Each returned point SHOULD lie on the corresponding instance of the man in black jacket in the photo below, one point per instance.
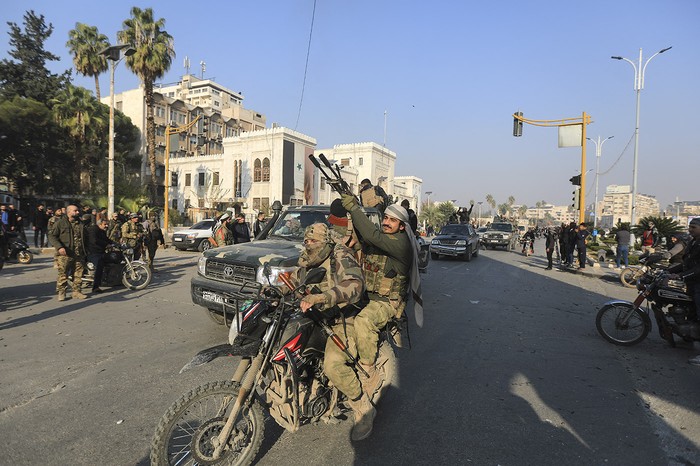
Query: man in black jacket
(40, 224)
(241, 233)
(97, 241)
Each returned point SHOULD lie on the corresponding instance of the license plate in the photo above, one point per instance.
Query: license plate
(177, 239)
(209, 296)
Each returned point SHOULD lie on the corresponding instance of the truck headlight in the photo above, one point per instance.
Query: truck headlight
(275, 273)
(460, 242)
(202, 265)
(435, 241)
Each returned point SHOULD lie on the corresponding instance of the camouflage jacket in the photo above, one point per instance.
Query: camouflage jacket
(132, 233)
(343, 283)
(223, 236)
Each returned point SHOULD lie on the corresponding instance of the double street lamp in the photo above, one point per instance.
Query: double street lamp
(598, 149)
(115, 54)
(638, 86)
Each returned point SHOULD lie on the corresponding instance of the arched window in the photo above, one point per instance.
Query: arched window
(256, 170)
(266, 169)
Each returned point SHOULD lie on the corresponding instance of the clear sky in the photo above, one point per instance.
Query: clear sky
(449, 74)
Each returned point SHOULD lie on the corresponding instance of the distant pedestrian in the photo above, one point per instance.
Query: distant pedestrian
(97, 241)
(40, 225)
(622, 236)
(152, 236)
(259, 224)
(550, 244)
(582, 235)
(650, 238)
(241, 232)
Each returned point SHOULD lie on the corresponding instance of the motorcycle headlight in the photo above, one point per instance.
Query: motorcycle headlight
(460, 242)
(128, 251)
(275, 273)
(202, 265)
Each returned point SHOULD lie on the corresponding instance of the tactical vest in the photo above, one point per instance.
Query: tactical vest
(386, 283)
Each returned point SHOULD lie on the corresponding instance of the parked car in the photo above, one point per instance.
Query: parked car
(195, 237)
(225, 269)
(457, 240)
(501, 234)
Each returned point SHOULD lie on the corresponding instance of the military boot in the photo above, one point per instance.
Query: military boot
(78, 294)
(364, 418)
(61, 295)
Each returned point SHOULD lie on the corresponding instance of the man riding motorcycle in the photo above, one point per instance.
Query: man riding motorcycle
(391, 271)
(338, 297)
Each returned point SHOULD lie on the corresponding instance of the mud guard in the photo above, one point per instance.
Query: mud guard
(208, 355)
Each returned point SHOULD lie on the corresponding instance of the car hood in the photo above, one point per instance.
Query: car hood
(275, 251)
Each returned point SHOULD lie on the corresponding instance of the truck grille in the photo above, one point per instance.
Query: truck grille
(448, 242)
(229, 272)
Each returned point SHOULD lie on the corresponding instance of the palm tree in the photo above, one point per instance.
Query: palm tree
(85, 44)
(154, 55)
(82, 116)
(491, 201)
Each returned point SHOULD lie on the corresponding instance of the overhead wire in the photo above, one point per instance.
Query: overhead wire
(306, 66)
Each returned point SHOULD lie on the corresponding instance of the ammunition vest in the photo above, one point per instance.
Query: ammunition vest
(385, 283)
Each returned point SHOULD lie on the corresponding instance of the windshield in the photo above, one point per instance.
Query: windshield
(292, 224)
(203, 225)
(455, 230)
(501, 227)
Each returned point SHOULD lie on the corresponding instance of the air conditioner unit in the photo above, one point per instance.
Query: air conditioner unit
(182, 148)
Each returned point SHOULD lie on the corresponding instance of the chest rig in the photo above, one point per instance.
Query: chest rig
(385, 282)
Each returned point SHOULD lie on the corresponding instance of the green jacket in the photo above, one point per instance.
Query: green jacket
(61, 236)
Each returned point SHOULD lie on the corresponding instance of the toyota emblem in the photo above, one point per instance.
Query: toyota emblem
(228, 271)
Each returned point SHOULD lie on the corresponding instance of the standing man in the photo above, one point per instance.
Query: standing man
(241, 233)
(259, 224)
(152, 235)
(114, 230)
(68, 237)
(223, 236)
(581, 241)
(391, 273)
(132, 234)
(650, 238)
(40, 224)
(412, 217)
(622, 236)
(97, 241)
(550, 244)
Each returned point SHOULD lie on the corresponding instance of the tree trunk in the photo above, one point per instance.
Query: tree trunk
(151, 141)
(97, 87)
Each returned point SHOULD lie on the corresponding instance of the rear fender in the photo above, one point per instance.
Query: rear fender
(617, 302)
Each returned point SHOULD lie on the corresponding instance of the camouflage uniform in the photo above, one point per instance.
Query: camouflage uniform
(223, 236)
(335, 296)
(387, 261)
(132, 236)
(69, 235)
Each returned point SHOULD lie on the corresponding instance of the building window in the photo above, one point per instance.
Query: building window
(215, 180)
(188, 179)
(359, 161)
(174, 204)
(265, 205)
(257, 171)
(266, 169)
(256, 204)
(188, 204)
(200, 203)
(345, 162)
(323, 183)
(201, 178)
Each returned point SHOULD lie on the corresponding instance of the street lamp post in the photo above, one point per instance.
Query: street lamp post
(638, 86)
(478, 222)
(115, 54)
(598, 149)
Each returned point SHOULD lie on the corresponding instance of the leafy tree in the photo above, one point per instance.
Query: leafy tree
(31, 148)
(666, 226)
(27, 75)
(84, 119)
(85, 44)
(491, 201)
(430, 215)
(445, 211)
(154, 55)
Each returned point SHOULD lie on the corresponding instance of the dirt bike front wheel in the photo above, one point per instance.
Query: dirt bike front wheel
(616, 325)
(185, 432)
(629, 276)
(25, 257)
(136, 277)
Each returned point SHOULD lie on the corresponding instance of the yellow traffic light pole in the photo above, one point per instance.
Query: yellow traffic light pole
(169, 131)
(583, 120)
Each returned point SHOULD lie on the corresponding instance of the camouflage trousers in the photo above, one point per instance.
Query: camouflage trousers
(368, 322)
(336, 363)
(66, 265)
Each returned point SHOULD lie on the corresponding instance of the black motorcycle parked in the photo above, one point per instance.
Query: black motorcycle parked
(119, 268)
(626, 324)
(18, 249)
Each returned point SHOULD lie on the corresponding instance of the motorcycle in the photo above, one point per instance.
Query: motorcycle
(120, 268)
(627, 323)
(528, 247)
(280, 371)
(647, 262)
(18, 249)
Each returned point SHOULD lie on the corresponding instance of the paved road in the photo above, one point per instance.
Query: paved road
(508, 370)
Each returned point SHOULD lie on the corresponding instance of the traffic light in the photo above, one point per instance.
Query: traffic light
(576, 180)
(576, 199)
(517, 124)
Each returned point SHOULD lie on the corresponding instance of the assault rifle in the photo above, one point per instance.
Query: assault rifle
(335, 179)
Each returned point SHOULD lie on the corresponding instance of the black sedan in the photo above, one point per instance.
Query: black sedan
(459, 240)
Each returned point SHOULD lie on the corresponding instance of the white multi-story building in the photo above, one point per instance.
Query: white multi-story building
(617, 205)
